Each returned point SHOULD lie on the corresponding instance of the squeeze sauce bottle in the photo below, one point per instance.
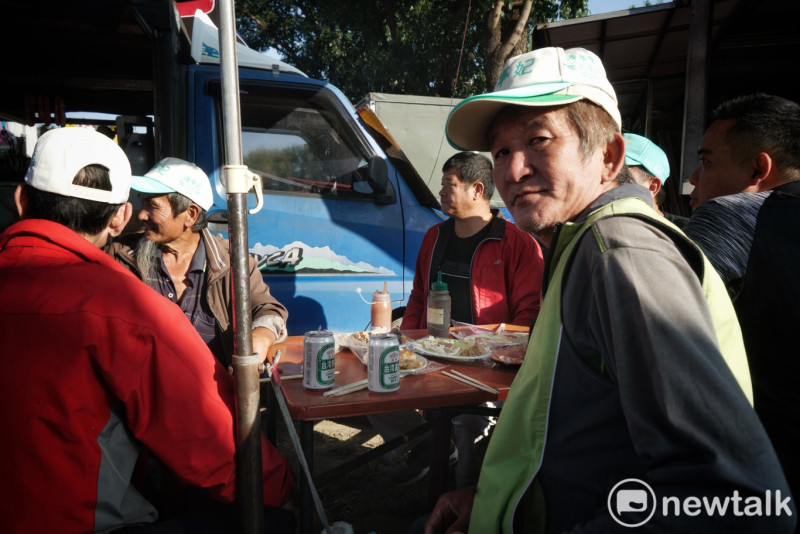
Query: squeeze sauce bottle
(439, 309)
(381, 309)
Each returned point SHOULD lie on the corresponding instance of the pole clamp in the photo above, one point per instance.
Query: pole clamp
(239, 179)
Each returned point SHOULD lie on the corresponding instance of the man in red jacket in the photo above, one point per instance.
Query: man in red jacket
(478, 252)
(493, 272)
(97, 366)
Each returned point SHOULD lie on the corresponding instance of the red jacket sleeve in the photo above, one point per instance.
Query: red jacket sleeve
(525, 271)
(179, 402)
(415, 315)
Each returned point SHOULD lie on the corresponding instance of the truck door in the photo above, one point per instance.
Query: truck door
(324, 230)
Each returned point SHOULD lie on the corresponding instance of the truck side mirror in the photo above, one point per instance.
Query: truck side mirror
(379, 181)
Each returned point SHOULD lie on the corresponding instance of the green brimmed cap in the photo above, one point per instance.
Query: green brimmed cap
(544, 77)
(641, 151)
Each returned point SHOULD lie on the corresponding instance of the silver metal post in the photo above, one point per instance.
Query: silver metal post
(249, 493)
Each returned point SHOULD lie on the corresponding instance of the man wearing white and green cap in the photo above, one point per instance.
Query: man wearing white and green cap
(178, 257)
(635, 387)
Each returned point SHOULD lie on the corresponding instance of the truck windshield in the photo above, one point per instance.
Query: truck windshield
(300, 147)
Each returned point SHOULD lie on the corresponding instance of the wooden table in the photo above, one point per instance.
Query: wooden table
(430, 391)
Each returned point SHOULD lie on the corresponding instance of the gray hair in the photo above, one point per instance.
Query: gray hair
(181, 203)
(148, 258)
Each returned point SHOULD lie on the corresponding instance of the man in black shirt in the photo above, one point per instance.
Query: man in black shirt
(752, 238)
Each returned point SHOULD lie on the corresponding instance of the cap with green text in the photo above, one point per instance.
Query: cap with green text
(544, 77)
(173, 175)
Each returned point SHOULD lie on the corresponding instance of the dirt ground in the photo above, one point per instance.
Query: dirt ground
(363, 497)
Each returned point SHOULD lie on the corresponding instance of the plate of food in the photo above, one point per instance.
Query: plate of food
(450, 349)
(506, 347)
(510, 354)
(358, 342)
(500, 339)
(411, 362)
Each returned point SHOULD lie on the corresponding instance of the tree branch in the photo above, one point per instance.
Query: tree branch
(260, 23)
(522, 23)
(388, 8)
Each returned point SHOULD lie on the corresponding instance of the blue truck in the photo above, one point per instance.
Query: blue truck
(343, 209)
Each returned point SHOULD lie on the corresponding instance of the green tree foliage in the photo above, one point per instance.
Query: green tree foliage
(399, 46)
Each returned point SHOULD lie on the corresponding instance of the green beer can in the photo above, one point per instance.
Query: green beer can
(383, 363)
(318, 359)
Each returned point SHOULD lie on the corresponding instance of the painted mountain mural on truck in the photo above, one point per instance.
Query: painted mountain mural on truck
(298, 257)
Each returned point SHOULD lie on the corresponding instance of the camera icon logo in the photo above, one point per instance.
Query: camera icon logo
(631, 502)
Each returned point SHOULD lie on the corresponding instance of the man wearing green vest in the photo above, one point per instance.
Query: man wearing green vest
(634, 404)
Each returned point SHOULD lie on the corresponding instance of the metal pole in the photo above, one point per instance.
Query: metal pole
(249, 494)
(694, 110)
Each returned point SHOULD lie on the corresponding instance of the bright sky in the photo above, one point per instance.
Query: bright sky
(604, 6)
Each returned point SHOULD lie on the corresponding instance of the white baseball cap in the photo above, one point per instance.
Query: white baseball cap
(173, 175)
(60, 153)
(544, 77)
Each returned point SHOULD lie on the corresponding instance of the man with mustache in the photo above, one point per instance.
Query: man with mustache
(636, 367)
(178, 257)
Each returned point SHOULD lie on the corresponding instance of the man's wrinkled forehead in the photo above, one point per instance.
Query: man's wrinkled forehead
(525, 117)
